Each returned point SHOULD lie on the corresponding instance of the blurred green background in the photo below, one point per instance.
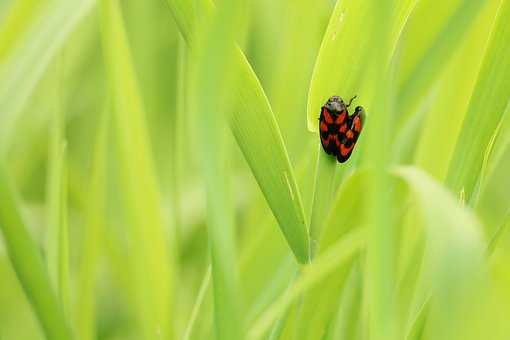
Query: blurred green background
(161, 175)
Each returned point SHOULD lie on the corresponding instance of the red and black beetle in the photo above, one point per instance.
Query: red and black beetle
(339, 131)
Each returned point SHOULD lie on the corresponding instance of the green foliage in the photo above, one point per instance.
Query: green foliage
(161, 176)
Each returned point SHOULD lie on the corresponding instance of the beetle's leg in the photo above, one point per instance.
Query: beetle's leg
(350, 101)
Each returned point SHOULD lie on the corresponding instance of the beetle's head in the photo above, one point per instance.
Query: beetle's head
(335, 104)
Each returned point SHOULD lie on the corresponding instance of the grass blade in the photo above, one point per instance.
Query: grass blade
(257, 133)
(491, 94)
(57, 247)
(29, 267)
(311, 274)
(433, 61)
(150, 258)
(22, 67)
(345, 53)
(324, 176)
(212, 81)
(454, 240)
(198, 304)
(346, 322)
(438, 132)
(85, 317)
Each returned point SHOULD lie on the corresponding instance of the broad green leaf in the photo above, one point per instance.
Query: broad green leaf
(257, 133)
(487, 105)
(28, 264)
(150, 262)
(25, 61)
(345, 54)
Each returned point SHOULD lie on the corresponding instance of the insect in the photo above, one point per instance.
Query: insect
(339, 131)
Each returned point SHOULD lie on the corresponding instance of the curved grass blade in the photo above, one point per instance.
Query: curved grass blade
(256, 131)
(28, 264)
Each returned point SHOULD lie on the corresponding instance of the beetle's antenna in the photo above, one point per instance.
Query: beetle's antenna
(350, 101)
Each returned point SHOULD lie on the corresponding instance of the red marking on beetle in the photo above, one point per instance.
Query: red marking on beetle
(344, 151)
(357, 124)
(327, 116)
